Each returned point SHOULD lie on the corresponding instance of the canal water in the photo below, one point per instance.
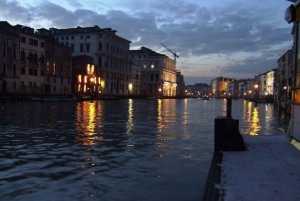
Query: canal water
(116, 150)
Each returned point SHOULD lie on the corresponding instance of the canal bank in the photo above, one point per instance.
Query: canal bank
(266, 170)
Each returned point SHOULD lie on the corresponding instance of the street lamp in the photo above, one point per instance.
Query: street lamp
(159, 91)
(130, 88)
(286, 91)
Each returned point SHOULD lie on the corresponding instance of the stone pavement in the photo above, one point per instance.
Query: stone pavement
(269, 170)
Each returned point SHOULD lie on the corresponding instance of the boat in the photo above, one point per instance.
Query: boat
(205, 98)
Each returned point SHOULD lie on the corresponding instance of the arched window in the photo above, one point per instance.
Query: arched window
(14, 51)
(4, 69)
(14, 70)
(30, 56)
(22, 55)
(35, 57)
(3, 49)
(42, 59)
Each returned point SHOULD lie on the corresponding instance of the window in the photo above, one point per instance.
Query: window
(14, 51)
(152, 65)
(67, 44)
(42, 44)
(54, 80)
(81, 37)
(42, 73)
(54, 69)
(4, 69)
(62, 38)
(22, 71)
(42, 59)
(100, 46)
(88, 47)
(23, 39)
(81, 47)
(48, 68)
(3, 49)
(72, 37)
(88, 36)
(30, 71)
(72, 47)
(144, 65)
(14, 70)
(62, 68)
(67, 38)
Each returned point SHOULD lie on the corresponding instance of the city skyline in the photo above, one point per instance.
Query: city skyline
(212, 39)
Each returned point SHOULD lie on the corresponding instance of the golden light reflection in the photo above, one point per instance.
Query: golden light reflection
(130, 122)
(186, 135)
(86, 124)
(159, 116)
(252, 117)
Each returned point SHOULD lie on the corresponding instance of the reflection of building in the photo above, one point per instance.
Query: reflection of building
(85, 80)
(110, 53)
(219, 86)
(9, 59)
(159, 69)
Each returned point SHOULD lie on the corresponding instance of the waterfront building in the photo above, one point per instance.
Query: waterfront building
(180, 89)
(271, 78)
(135, 84)
(260, 85)
(159, 69)
(242, 88)
(219, 86)
(284, 77)
(249, 88)
(56, 65)
(32, 58)
(110, 53)
(291, 15)
(85, 81)
(9, 59)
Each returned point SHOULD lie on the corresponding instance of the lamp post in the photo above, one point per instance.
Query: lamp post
(285, 105)
(159, 90)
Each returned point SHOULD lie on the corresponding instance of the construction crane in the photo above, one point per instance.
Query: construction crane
(175, 55)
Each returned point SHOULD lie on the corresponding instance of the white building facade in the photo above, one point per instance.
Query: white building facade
(110, 53)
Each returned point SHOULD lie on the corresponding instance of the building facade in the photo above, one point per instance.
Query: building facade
(219, 86)
(9, 59)
(159, 69)
(110, 53)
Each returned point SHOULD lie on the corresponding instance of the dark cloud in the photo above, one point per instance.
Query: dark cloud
(190, 29)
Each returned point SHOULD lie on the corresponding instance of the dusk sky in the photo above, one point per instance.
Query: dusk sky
(230, 38)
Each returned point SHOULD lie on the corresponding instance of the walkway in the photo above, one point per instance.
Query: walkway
(270, 170)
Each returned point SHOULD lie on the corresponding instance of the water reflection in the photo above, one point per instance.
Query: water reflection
(104, 149)
(87, 123)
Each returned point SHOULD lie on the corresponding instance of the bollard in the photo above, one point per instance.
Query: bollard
(227, 134)
(229, 108)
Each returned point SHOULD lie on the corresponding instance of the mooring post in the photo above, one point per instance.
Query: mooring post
(229, 108)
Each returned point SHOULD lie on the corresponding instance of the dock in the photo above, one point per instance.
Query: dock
(268, 170)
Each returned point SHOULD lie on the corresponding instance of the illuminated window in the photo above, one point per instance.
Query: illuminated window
(79, 78)
(79, 87)
(152, 65)
(54, 69)
(84, 88)
(85, 79)
(144, 65)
